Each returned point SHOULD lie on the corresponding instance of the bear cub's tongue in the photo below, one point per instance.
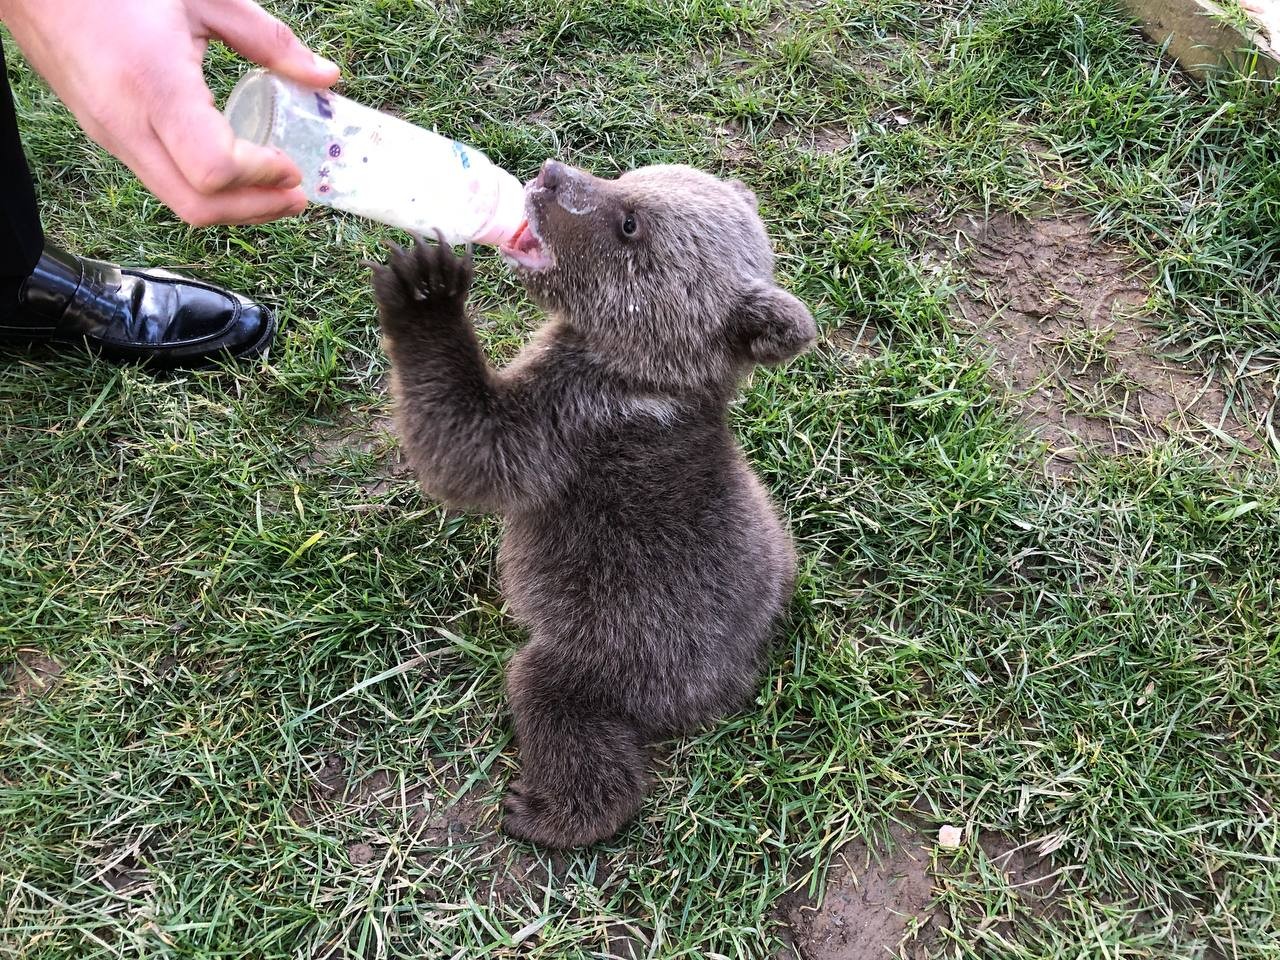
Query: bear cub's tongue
(525, 248)
(523, 240)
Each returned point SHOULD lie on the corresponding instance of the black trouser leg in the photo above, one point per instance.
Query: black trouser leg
(21, 238)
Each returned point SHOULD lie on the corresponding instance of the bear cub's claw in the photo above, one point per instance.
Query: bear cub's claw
(426, 281)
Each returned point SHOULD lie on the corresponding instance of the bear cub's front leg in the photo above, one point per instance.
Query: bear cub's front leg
(453, 415)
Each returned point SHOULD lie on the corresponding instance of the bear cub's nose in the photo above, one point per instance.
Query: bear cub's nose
(553, 174)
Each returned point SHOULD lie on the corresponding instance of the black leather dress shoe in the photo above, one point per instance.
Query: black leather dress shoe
(147, 316)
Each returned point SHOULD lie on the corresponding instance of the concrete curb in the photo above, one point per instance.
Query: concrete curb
(1202, 41)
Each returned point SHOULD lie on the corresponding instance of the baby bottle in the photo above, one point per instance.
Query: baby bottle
(366, 162)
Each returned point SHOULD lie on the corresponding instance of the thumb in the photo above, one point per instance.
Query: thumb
(255, 34)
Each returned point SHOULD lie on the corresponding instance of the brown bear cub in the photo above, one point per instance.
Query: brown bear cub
(640, 551)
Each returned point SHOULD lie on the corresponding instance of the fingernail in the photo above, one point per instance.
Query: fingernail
(323, 64)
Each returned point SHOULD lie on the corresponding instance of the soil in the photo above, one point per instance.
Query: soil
(880, 902)
(874, 901)
(31, 674)
(829, 138)
(623, 942)
(818, 138)
(824, 138)
(350, 439)
(1029, 869)
(857, 342)
(127, 877)
(1064, 317)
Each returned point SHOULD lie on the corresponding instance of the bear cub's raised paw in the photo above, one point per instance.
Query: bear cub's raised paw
(425, 281)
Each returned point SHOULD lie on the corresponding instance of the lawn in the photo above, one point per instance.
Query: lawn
(254, 703)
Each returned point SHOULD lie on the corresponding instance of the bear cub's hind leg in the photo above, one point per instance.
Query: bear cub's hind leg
(582, 766)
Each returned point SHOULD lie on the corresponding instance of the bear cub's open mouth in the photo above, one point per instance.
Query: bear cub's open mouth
(525, 249)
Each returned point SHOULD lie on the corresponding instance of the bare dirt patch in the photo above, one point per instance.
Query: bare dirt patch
(829, 138)
(889, 901)
(624, 941)
(127, 875)
(1065, 316)
(875, 904)
(351, 436)
(31, 674)
(857, 342)
(1028, 865)
(430, 825)
(739, 148)
(817, 138)
(379, 800)
(1027, 873)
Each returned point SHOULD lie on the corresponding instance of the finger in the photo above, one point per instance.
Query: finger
(292, 204)
(203, 146)
(252, 32)
(151, 163)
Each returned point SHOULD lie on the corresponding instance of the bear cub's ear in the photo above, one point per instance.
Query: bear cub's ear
(771, 325)
(746, 193)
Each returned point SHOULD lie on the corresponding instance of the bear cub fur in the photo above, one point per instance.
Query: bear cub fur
(640, 551)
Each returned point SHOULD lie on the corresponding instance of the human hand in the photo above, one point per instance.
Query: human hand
(131, 71)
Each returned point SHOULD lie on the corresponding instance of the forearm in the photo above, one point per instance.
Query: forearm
(9, 9)
(439, 364)
(475, 439)
(26, 21)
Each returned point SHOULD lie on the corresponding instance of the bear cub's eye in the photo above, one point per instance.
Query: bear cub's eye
(629, 225)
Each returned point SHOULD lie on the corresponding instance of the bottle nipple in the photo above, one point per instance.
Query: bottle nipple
(508, 215)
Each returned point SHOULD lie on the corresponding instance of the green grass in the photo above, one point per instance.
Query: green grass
(1097, 658)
